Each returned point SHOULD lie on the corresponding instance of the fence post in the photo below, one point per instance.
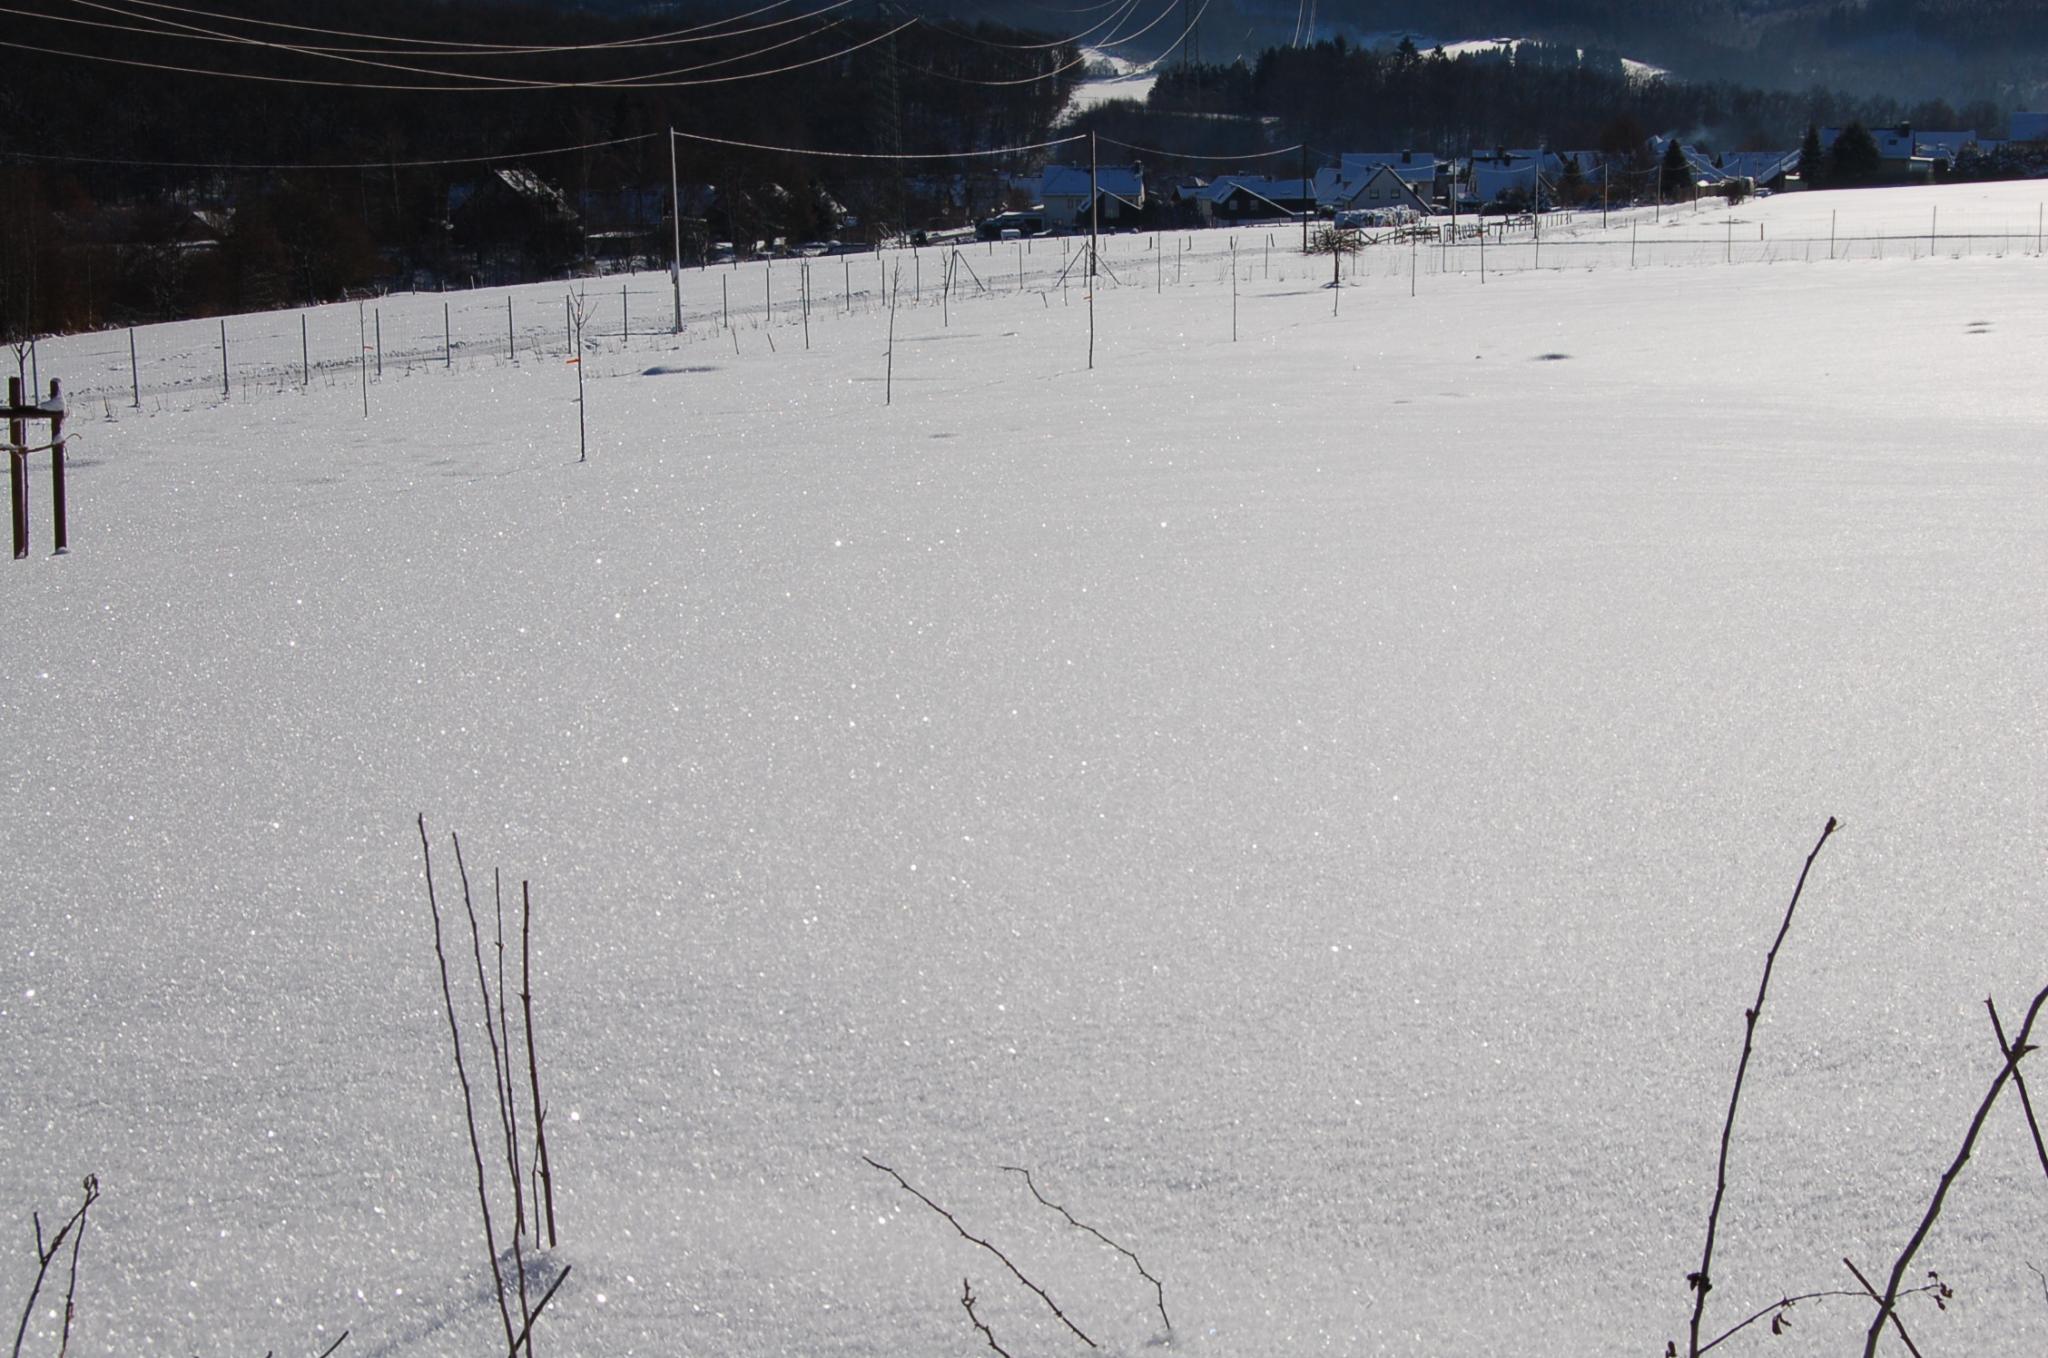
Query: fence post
(17, 487)
(379, 318)
(224, 356)
(305, 354)
(447, 339)
(57, 504)
(511, 351)
(134, 369)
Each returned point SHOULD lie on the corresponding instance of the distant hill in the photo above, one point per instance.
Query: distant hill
(1907, 49)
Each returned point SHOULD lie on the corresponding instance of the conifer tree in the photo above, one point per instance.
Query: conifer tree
(1676, 172)
(1812, 160)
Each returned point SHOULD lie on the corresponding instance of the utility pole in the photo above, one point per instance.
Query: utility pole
(1307, 199)
(675, 276)
(1094, 210)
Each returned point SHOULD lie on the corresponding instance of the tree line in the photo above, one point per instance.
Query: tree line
(115, 173)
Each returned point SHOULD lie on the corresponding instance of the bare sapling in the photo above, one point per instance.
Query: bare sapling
(46, 1254)
(497, 1027)
(1702, 1281)
(544, 1191)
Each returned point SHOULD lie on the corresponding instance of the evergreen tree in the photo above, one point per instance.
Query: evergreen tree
(1676, 173)
(1853, 158)
(1812, 160)
(1571, 183)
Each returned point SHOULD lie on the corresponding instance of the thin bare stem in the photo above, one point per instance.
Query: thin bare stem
(540, 1117)
(2019, 1082)
(92, 1193)
(1784, 1304)
(1702, 1281)
(1131, 1255)
(483, 987)
(1871, 1292)
(46, 1253)
(328, 1352)
(476, 1151)
(1015, 1272)
(525, 1335)
(509, 1103)
(2013, 1053)
(967, 1300)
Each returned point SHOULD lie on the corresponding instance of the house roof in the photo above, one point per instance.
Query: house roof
(1758, 165)
(1072, 181)
(1413, 166)
(1275, 191)
(1385, 176)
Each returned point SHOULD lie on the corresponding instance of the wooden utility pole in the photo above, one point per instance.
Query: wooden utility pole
(1307, 198)
(1094, 209)
(675, 191)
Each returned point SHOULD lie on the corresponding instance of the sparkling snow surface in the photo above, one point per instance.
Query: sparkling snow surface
(1320, 801)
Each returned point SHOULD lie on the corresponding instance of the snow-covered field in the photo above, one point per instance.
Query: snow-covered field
(1133, 80)
(1319, 800)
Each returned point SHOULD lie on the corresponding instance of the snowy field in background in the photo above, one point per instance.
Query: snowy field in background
(1319, 800)
(1133, 80)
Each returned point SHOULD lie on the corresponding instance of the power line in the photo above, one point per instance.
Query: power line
(1035, 46)
(328, 165)
(190, 33)
(462, 48)
(880, 155)
(624, 83)
(1184, 155)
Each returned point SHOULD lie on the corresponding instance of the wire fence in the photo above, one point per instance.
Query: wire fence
(366, 341)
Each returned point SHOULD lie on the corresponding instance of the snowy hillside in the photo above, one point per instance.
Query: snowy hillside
(1319, 799)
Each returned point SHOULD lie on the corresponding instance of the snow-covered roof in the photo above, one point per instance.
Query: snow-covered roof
(1385, 180)
(1072, 181)
(1413, 166)
(1274, 191)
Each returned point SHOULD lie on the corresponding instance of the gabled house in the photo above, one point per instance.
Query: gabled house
(1417, 168)
(514, 224)
(1247, 197)
(1492, 179)
(1384, 189)
(1067, 190)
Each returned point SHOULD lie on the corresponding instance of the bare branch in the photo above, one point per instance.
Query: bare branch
(462, 1077)
(1136, 1262)
(525, 1335)
(540, 1120)
(46, 1253)
(2019, 1083)
(328, 1352)
(1872, 1293)
(92, 1193)
(2018, 1048)
(977, 1240)
(1702, 1281)
(967, 1300)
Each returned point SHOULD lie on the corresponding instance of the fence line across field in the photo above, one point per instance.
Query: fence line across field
(285, 350)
